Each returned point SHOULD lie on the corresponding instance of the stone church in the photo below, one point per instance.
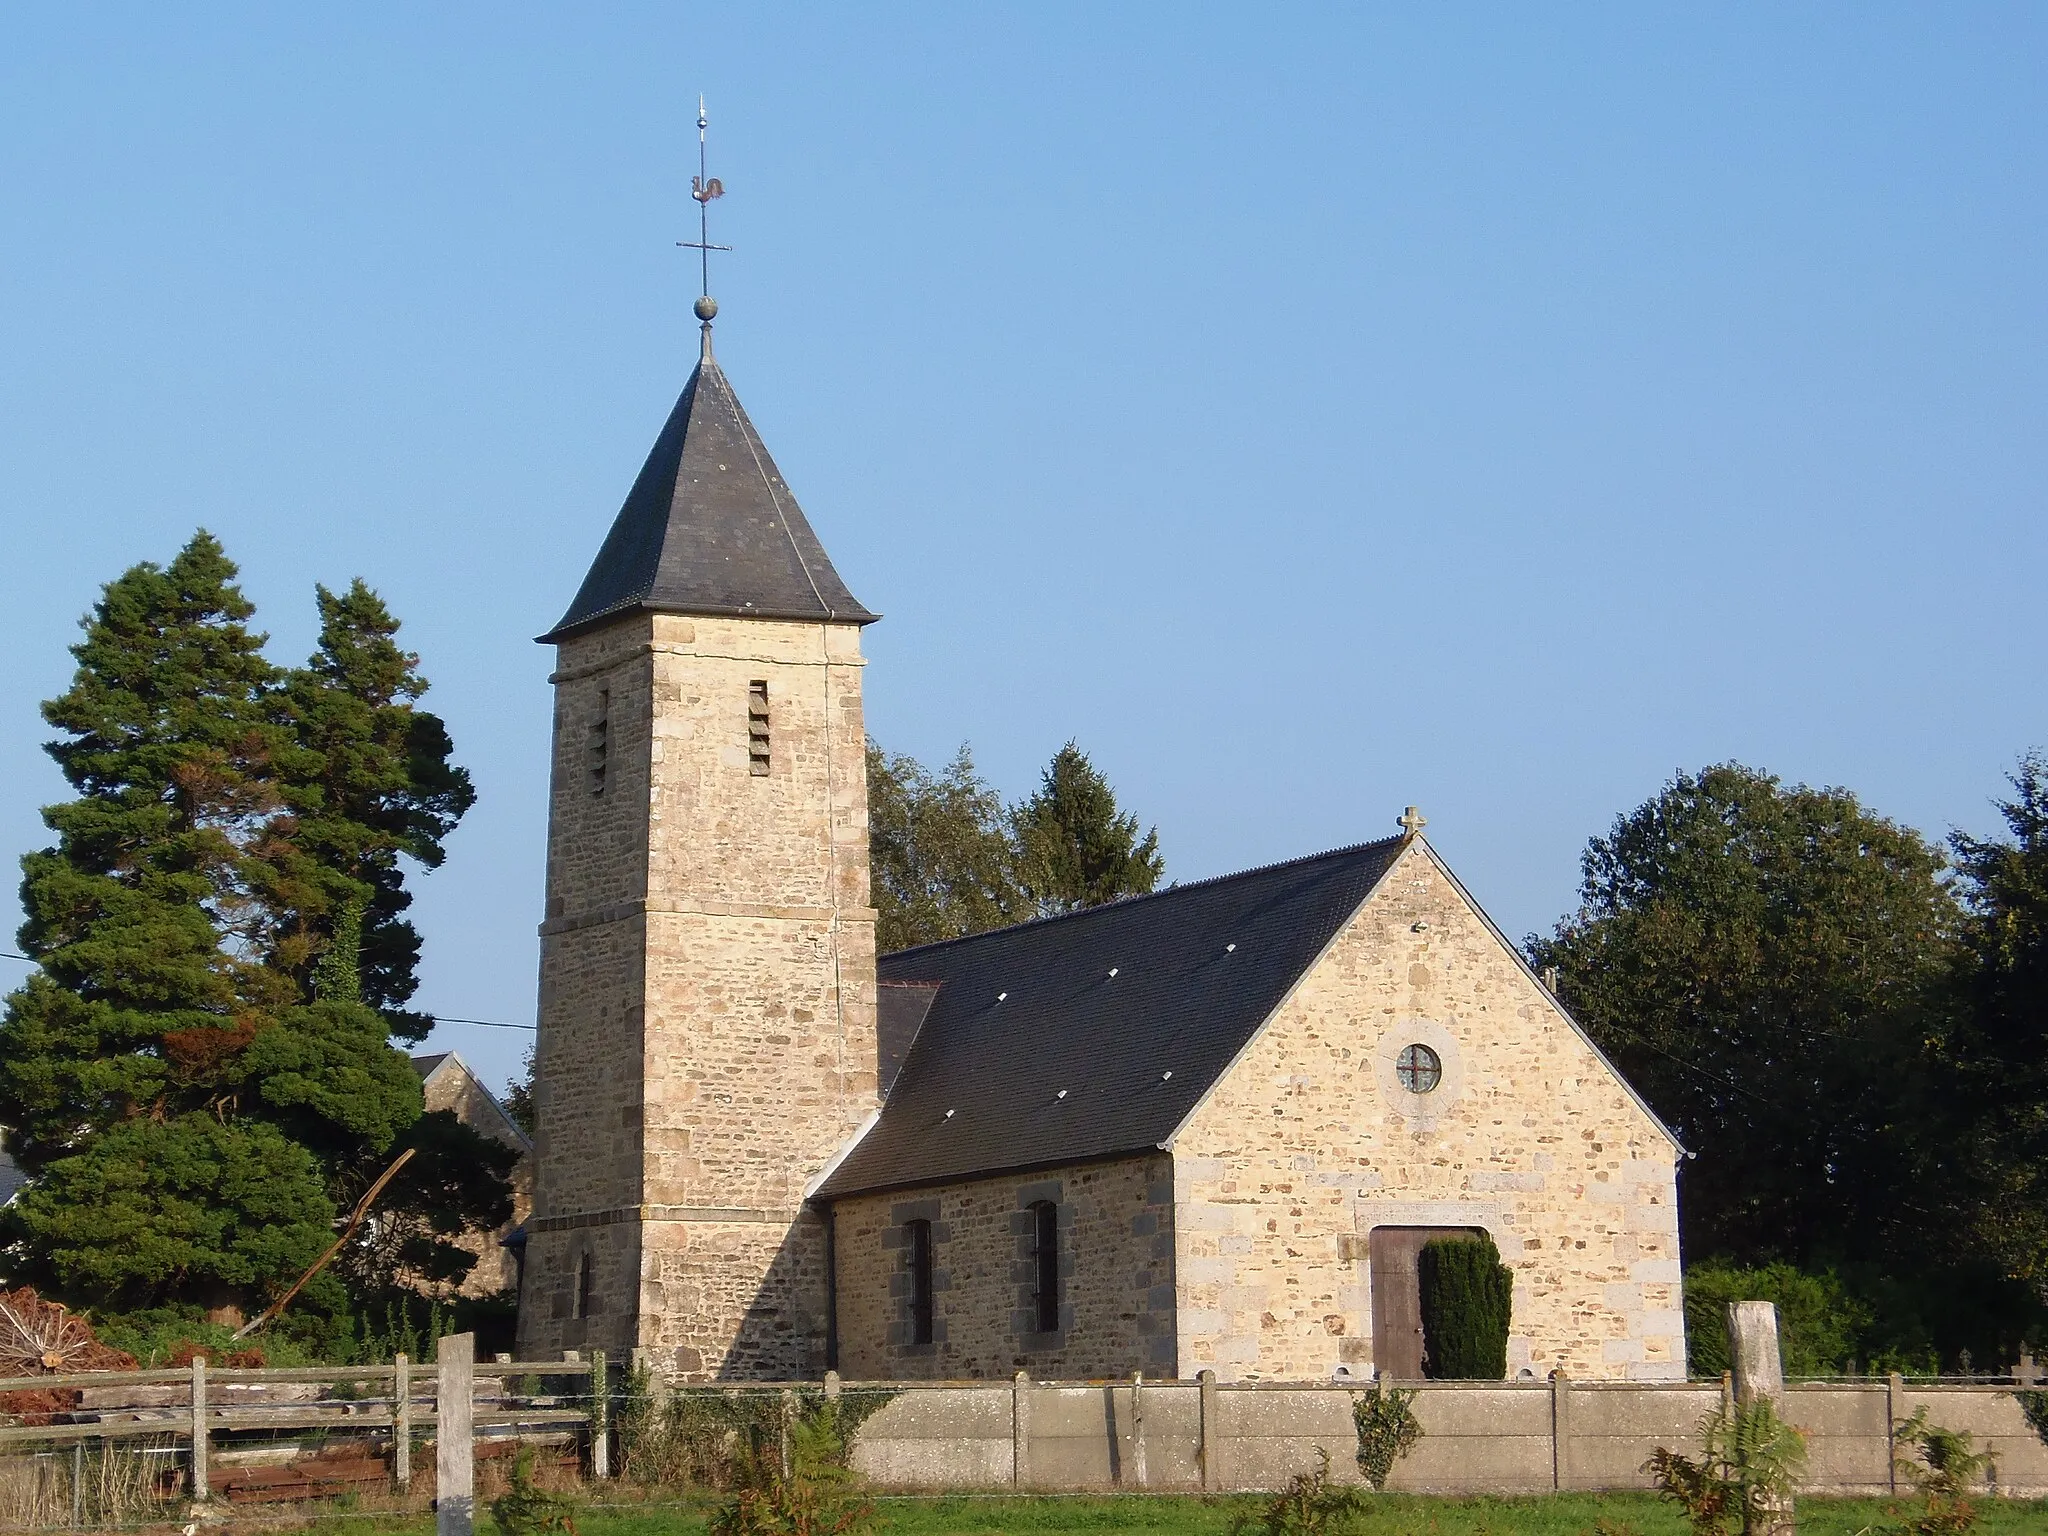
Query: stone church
(1203, 1129)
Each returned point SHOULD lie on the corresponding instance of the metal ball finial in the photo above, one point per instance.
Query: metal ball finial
(707, 308)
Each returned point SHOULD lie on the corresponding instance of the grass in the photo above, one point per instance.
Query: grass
(1389, 1515)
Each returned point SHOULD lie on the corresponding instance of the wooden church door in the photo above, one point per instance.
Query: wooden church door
(1393, 1254)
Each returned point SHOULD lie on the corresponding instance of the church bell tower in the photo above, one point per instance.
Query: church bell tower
(707, 980)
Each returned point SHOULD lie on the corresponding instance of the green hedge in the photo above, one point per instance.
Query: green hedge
(1467, 1302)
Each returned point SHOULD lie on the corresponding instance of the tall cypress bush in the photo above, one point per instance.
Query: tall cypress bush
(1467, 1302)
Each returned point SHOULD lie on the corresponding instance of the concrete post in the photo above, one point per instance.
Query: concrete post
(401, 1422)
(454, 1435)
(1560, 1429)
(1759, 1374)
(1138, 1428)
(1212, 1477)
(1894, 1416)
(1020, 1430)
(1753, 1350)
(600, 1417)
(831, 1386)
(199, 1476)
(788, 1418)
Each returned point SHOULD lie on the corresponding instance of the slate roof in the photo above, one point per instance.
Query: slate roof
(1023, 1013)
(710, 528)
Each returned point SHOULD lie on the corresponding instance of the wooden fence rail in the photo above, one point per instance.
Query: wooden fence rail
(461, 1401)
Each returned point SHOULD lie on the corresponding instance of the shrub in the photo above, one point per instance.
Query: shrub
(526, 1510)
(1387, 1429)
(1310, 1505)
(817, 1495)
(1749, 1461)
(1944, 1466)
(1820, 1323)
(1467, 1304)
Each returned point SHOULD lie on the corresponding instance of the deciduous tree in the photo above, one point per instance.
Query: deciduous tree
(941, 861)
(1760, 961)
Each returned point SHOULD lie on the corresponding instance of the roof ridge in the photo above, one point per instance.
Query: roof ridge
(1172, 890)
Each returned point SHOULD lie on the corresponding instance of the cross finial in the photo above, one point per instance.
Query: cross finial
(1413, 822)
(704, 187)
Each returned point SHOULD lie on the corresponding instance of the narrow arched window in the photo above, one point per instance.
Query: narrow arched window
(920, 1258)
(583, 1284)
(1045, 1260)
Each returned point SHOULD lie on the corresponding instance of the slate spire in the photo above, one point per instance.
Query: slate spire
(710, 527)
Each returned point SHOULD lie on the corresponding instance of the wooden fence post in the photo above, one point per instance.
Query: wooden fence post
(401, 1422)
(1560, 1429)
(199, 1480)
(454, 1431)
(1020, 1430)
(1759, 1373)
(600, 1417)
(1212, 1478)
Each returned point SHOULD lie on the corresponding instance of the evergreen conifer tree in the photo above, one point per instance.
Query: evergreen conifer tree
(1467, 1308)
(199, 1072)
(1075, 847)
(119, 1058)
(1995, 1057)
(368, 780)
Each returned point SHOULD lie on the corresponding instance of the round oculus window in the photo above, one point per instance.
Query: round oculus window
(1419, 1068)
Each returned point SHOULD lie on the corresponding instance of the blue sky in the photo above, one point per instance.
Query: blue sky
(1310, 410)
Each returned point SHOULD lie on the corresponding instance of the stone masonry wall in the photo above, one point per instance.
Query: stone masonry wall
(734, 922)
(452, 1086)
(1310, 1141)
(587, 1053)
(1116, 1276)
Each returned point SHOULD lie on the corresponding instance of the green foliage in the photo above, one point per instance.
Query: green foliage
(1384, 1416)
(940, 853)
(1075, 847)
(716, 1438)
(198, 1072)
(1310, 1505)
(525, 1509)
(1759, 960)
(2035, 1406)
(1945, 1466)
(1467, 1306)
(1996, 1054)
(369, 779)
(1853, 1052)
(140, 990)
(190, 1206)
(1750, 1460)
(1825, 1328)
(948, 858)
(799, 1486)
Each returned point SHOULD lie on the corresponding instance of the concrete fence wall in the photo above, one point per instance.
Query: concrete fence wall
(1507, 1437)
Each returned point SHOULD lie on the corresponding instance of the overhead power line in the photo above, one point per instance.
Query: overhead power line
(438, 1018)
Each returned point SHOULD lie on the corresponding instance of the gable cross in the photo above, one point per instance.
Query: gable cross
(1413, 822)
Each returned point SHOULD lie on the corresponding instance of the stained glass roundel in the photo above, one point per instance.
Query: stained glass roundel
(1419, 1068)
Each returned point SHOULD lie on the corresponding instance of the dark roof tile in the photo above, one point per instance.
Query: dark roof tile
(710, 528)
(1025, 1014)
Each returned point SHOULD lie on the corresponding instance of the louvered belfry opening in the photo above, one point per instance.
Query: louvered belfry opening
(757, 728)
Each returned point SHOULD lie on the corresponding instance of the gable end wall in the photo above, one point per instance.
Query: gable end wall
(1310, 1141)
